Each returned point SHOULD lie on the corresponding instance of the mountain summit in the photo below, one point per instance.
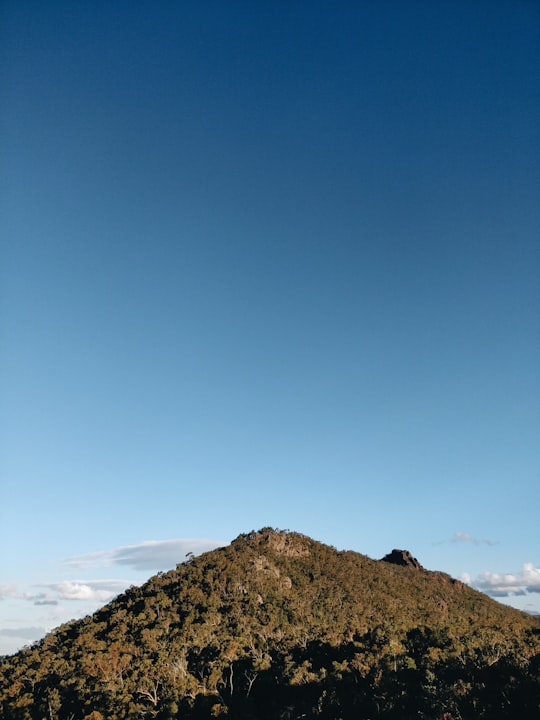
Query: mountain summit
(278, 626)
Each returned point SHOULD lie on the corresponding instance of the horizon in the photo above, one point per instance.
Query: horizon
(266, 265)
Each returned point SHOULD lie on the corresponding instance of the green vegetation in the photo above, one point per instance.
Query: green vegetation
(278, 626)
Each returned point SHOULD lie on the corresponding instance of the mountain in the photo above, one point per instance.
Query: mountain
(279, 626)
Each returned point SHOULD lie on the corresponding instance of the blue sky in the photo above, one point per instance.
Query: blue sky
(266, 263)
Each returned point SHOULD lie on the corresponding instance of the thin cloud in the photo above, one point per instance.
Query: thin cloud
(148, 555)
(506, 584)
(460, 536)
(40, 599)
(26, 633)
(7, 591)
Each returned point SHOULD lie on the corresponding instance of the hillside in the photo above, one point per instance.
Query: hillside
(277, 625)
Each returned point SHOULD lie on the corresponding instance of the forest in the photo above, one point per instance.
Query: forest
(279, 626)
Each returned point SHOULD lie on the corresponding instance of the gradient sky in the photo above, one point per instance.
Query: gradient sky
(266, 263)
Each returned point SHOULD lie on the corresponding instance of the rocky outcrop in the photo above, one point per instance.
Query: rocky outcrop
(403, 558)
(280, 542)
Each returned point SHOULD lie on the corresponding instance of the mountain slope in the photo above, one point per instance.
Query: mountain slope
(277, 625)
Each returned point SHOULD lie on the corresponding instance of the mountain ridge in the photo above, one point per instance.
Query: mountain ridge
(274, 624)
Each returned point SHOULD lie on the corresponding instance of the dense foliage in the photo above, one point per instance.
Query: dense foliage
(275, 626)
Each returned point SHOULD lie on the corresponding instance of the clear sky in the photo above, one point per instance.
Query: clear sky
(266, 263)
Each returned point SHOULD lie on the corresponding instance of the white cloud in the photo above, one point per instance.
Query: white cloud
(531, 575)
(506, 584)
(149, 555)
(69, 590)
(94, 590)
